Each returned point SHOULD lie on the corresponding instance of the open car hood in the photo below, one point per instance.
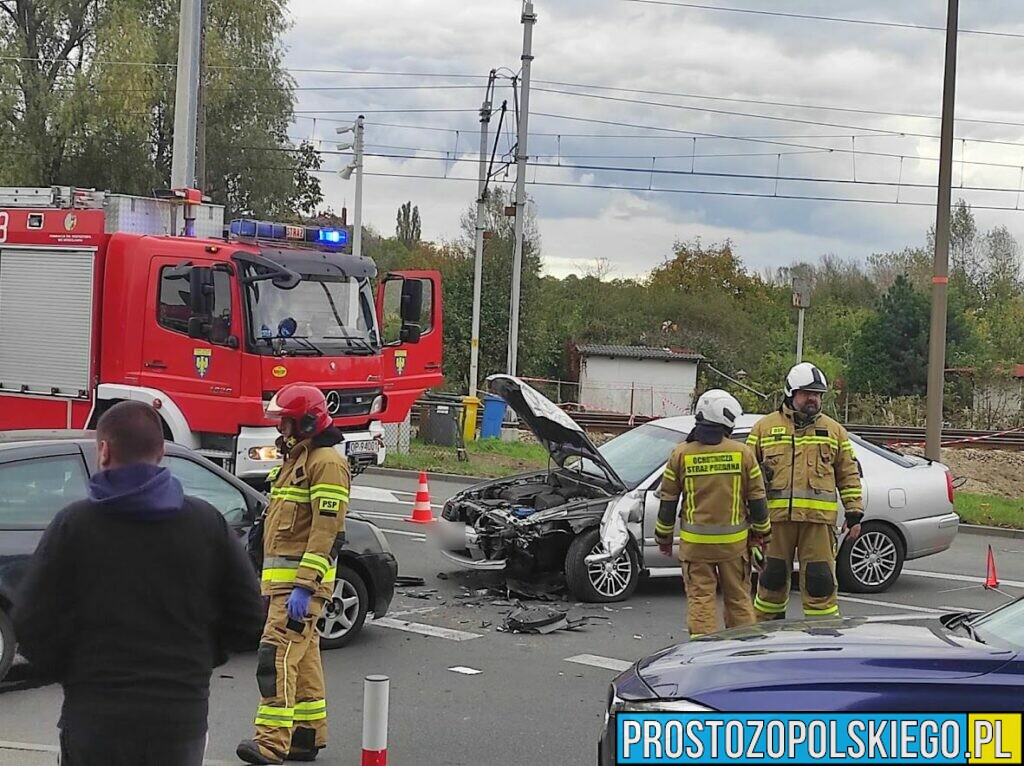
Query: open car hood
(560, 434)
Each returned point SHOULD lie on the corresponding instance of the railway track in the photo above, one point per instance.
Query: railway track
(609, 422)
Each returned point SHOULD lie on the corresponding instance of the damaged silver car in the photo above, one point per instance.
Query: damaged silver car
(591, 514)
(582, 516)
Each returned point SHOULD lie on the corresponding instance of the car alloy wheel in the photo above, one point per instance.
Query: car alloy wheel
(344, 614)
(872, 562)
(610, 578)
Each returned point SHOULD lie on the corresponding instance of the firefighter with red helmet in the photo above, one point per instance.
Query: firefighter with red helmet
(304, 529)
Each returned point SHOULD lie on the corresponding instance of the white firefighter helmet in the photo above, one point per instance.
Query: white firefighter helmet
(805, 377)
(718, 406)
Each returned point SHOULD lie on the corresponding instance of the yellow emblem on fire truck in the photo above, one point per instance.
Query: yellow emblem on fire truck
(400, 359)
(202, 358)
(280, 371)
(70, 222)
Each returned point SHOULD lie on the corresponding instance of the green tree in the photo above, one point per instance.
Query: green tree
(71, 115)
(408, 228)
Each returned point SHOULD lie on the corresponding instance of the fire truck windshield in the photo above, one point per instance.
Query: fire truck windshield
(324, 315)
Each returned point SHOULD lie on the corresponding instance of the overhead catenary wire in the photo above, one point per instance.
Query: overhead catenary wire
(815, 17)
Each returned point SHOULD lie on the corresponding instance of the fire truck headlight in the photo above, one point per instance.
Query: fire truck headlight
(377, 406)
(264, 453)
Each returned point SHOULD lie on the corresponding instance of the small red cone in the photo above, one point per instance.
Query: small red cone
(991, 578)
(421, 510)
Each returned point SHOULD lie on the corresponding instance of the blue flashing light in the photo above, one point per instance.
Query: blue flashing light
(328, 237)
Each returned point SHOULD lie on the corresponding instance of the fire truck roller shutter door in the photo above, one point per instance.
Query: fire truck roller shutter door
(169, 411)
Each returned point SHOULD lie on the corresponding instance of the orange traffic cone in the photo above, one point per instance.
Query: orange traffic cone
(991, 578)
(421, 511)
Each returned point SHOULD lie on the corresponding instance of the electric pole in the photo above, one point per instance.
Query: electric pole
(183, 161)
(481, 225)
(529, 18)
(357, 227)
(940, 278)
(201, 104)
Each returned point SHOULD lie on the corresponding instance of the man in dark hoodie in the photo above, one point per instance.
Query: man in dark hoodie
(132, 598)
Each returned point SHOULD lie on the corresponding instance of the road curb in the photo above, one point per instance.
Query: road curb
(981, 529)
(401, 473)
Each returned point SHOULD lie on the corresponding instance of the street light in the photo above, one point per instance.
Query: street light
(346, 173)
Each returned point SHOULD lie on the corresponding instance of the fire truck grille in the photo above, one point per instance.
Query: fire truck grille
(351, 402)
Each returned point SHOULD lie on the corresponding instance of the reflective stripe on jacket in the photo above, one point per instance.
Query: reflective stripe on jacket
(308, 503)
(813, 468)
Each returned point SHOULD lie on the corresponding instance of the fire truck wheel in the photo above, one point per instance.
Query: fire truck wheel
(7, 644)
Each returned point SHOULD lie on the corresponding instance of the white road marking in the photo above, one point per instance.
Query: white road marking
(960, 578)
(891, 605)
(419, 610)
(426, 630)
(465, 671)
(402, 533)
(597, 661)
(373, 494)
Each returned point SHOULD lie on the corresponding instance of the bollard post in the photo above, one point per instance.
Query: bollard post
(375, 720)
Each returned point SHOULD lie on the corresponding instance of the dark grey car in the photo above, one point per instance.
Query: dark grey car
(43, 471)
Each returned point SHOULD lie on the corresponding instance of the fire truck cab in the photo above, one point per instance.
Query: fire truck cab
(103, 300)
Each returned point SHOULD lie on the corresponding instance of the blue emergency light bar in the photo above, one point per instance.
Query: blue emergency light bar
(317, 235)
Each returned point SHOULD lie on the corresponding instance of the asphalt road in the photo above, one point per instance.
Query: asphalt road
(519, 698)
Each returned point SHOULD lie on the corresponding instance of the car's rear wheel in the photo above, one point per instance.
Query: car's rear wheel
(345, 613)
(872, 562)
(600, 583)
(8, 646)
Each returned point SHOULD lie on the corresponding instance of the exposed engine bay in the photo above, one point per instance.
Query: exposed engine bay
(529, 521)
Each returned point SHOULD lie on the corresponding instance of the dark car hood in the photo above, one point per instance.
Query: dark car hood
(560, 434)
(808, 655)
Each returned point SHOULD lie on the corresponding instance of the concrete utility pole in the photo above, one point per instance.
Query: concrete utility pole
(201, 104)
(529, 18)
(940, 279)
(357, 226)
(186, 97)
(481, 225)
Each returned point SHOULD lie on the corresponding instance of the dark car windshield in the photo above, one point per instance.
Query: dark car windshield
(636, 454)
(1002, 627)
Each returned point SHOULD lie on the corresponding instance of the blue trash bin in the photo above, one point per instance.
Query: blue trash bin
(494, 416)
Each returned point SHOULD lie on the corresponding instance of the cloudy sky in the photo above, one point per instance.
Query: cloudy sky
(716, 102)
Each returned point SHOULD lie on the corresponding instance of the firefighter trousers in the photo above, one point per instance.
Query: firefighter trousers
(293, 708)
(814, 545)
(701, 580)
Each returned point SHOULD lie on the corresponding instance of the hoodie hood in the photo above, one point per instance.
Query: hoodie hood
(140, 491)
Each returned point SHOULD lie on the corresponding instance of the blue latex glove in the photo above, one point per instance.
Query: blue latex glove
(298, 603)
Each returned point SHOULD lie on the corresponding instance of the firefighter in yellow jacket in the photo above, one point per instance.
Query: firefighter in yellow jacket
(723, 515)
(304, 530)
(809, 466)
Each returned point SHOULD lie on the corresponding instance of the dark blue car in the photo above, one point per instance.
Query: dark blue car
(958, 663)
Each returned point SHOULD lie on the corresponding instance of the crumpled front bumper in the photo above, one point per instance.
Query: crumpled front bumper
(457, 542)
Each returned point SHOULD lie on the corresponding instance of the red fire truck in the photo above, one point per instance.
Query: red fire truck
(102, 300)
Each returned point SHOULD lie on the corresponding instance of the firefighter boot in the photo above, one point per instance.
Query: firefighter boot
(734, 575)
(818, 588)
(250, 751)
(773, 584)
(701, 583)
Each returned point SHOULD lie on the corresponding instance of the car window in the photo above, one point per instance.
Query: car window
(33, 491)
(203, 483)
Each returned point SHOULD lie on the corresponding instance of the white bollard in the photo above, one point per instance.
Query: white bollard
(376, 691)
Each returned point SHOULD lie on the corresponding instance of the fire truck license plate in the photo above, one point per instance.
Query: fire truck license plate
(355, 448)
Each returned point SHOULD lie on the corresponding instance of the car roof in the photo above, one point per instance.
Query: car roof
(42, 436)
(684, 423)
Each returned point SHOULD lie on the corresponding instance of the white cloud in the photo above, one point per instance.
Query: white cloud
(620, 44)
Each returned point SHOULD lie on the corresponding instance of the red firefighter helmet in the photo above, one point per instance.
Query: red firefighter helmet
(303, 403)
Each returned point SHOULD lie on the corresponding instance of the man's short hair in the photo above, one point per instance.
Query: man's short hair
(134, 432)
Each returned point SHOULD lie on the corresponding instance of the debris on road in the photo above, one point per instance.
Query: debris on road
(442, 576)
(403, 581)
(541, 590)
(424, 595)
(539, 619)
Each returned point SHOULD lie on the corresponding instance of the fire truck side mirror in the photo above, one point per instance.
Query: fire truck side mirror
(412, 301)
(201, 290)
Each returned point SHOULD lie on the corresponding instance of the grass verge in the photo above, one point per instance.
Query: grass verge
(990, 510)
(487, 458)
